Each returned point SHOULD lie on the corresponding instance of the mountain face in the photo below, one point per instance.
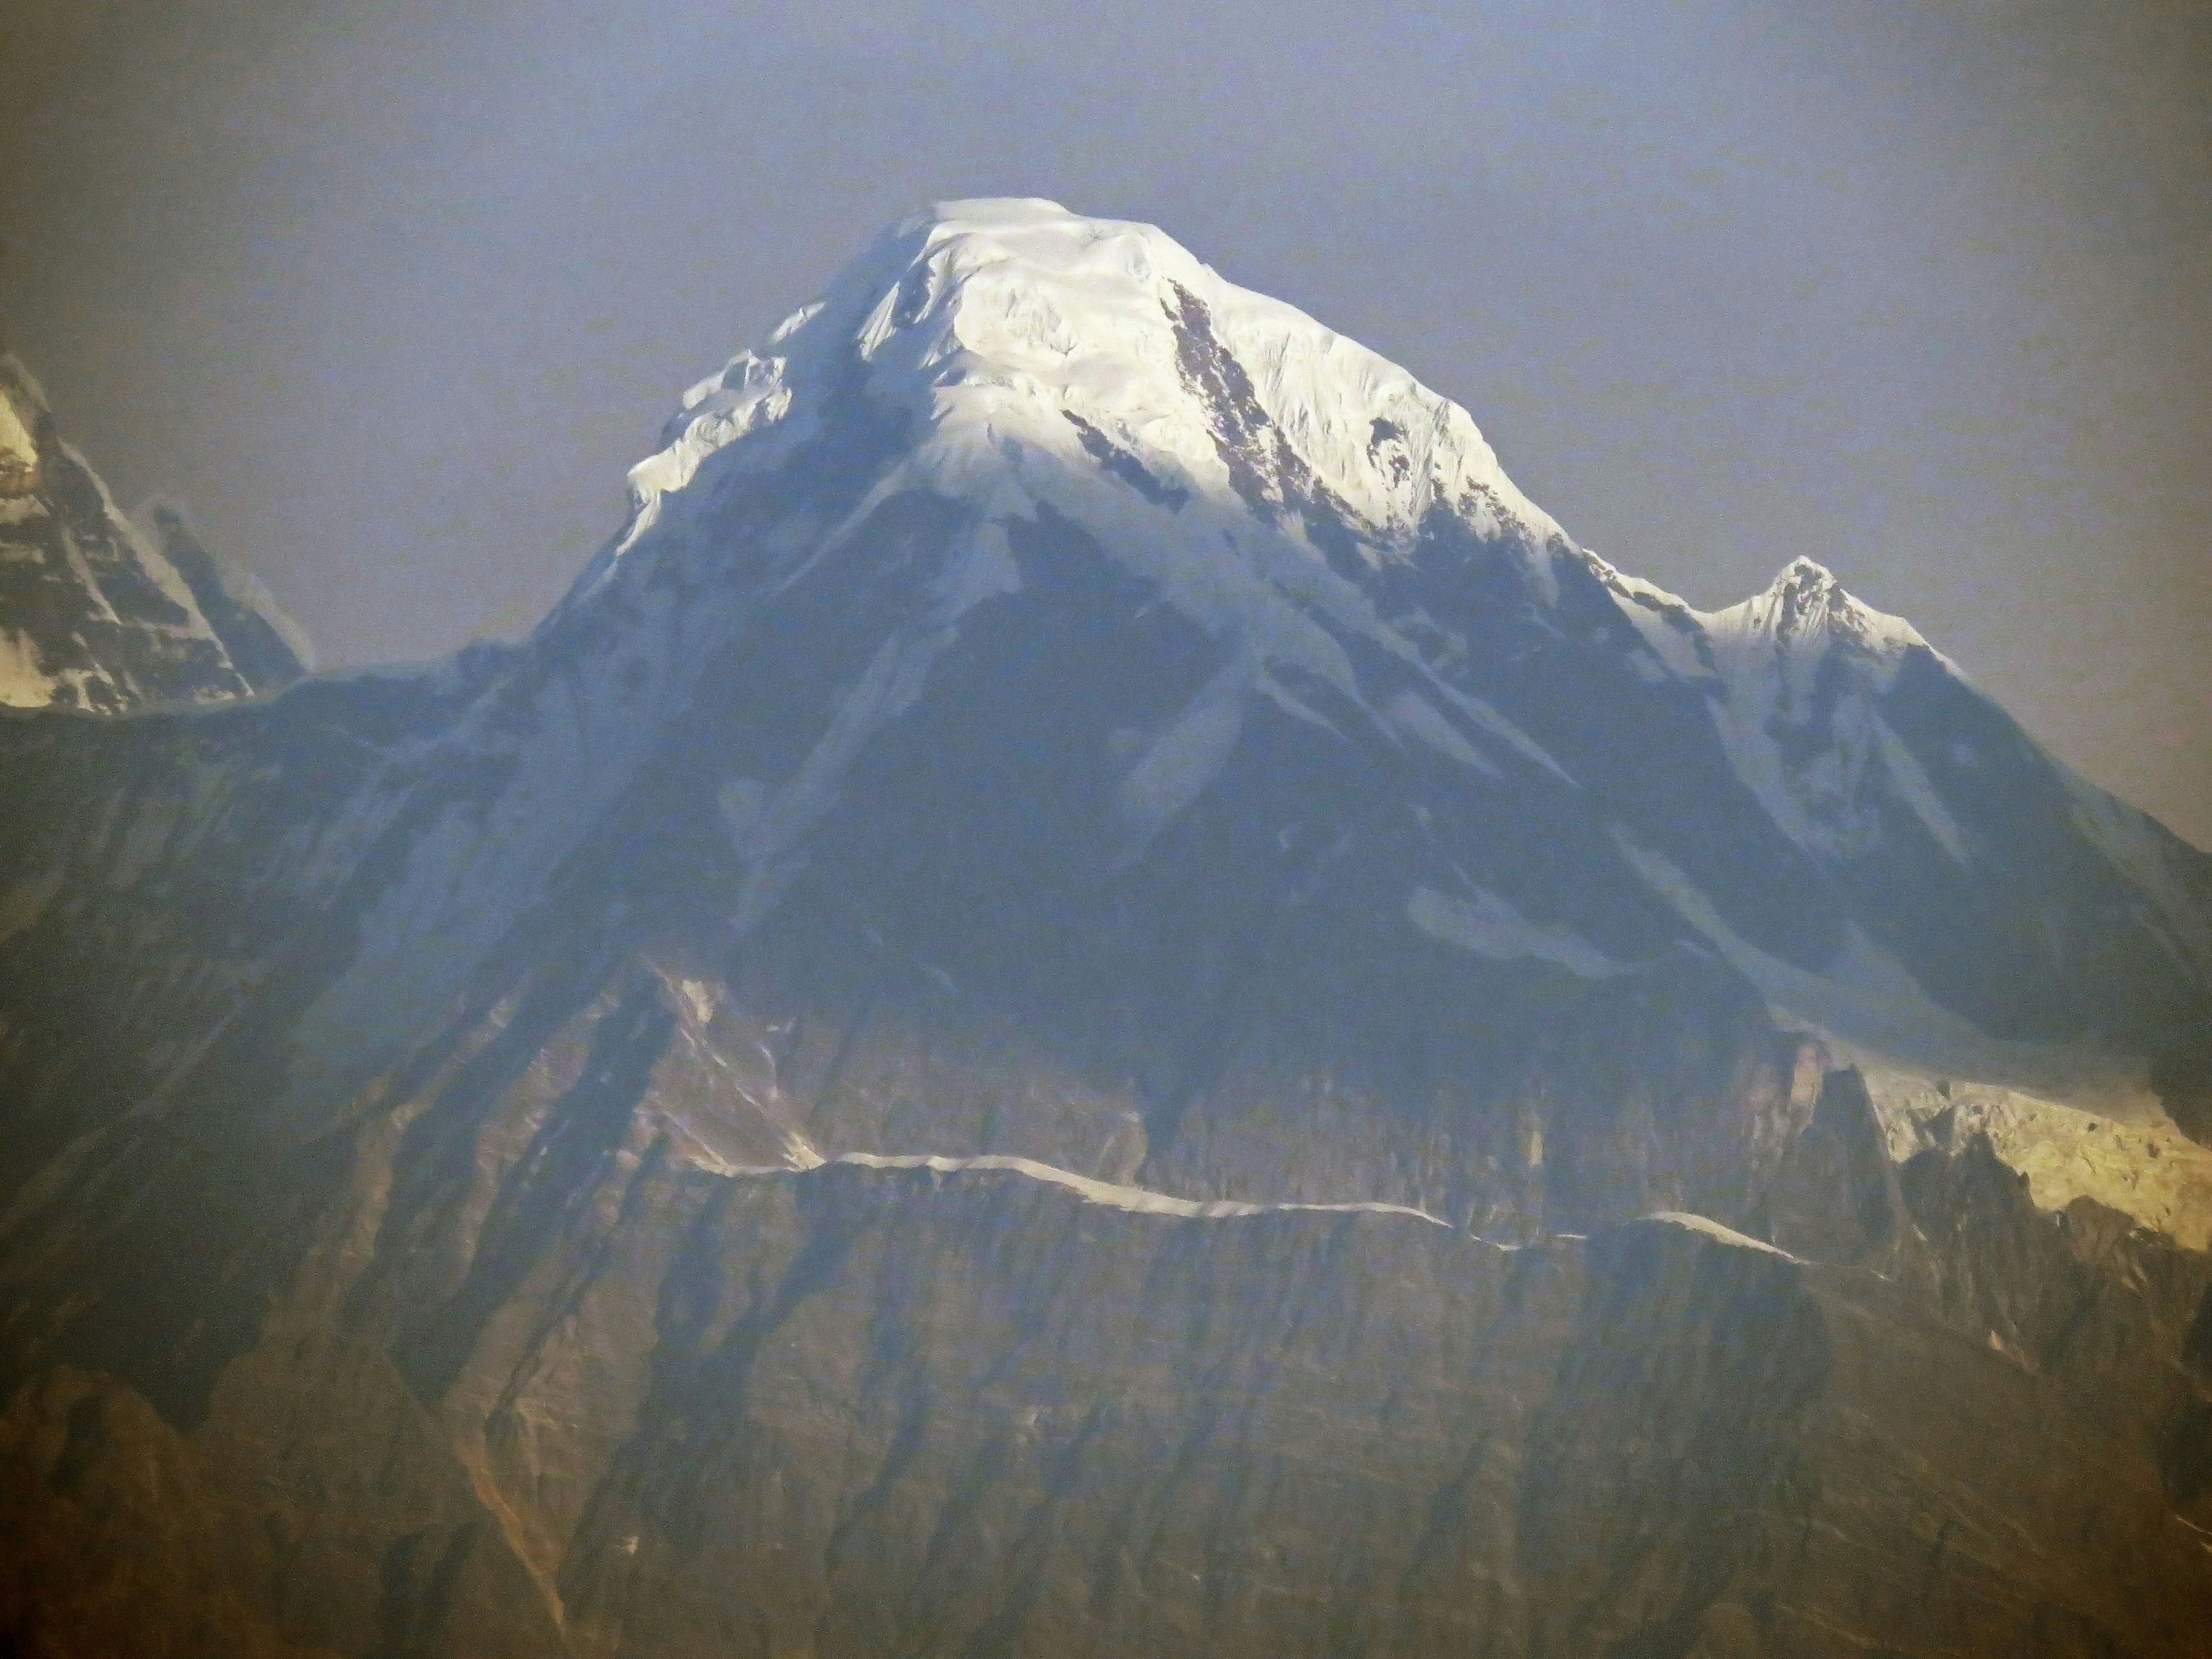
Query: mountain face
(94, 617)
(1093, 994)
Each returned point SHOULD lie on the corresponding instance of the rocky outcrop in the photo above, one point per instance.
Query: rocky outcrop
(558, 1359)
(940, 1407)
(1667, 1440)
(114, 1539)
(2126, 1155)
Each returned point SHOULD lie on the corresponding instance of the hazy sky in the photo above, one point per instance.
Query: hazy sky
(392, 294)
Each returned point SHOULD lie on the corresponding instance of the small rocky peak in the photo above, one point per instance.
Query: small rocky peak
(93, 616)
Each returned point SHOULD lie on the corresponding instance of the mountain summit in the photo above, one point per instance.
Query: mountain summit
(1086, 941)
(1801, 779)
(1034, 346)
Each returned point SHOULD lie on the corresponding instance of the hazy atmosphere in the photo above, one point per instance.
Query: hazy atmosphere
(987, 946)
(389, 295)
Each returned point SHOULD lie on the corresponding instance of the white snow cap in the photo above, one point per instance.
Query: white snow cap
(1807, 607)
(1011, 322)
(1205, 434)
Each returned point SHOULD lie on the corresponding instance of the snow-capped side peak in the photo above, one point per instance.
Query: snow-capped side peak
(1805, 609)
(92, 615)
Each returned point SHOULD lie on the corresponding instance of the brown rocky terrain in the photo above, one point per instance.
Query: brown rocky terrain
(550, 1372)
(113, 1539)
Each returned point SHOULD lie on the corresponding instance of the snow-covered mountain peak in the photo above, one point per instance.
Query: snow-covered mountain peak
(93, 615)
(1008, 435)
(1033, 348)
(1805, 610)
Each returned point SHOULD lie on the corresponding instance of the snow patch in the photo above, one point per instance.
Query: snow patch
(1411, 715)
(1709, 1228)
(1485, 925)
(1175, 769)
(1139, 1201)
(1912, 783)
(1867, 999)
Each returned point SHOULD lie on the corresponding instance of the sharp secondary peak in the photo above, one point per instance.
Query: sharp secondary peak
(1806, 609)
